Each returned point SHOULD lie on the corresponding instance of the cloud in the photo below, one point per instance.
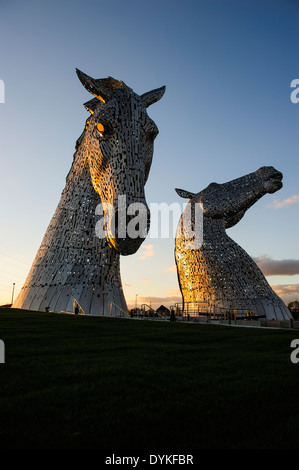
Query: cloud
(148, 250)
(171, 269)
(287, 292)
(271, 267)
(128, 285)
(146, 281)
(286, 202)
(155, 302)
(174, 292)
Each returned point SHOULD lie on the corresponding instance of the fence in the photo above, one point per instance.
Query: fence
(213, 312)
(117, 311)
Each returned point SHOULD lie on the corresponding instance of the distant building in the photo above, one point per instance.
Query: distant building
(162, 310)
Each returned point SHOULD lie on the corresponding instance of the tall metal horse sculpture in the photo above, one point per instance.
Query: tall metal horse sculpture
(112, 159)
(219, 272)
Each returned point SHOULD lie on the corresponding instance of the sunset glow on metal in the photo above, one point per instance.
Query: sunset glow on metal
(231, 107)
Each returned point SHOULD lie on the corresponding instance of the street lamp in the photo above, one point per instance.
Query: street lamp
(13, 289)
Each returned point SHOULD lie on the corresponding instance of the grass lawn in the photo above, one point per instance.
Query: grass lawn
(90, 382)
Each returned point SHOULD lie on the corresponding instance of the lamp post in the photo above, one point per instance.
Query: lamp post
(13, 289)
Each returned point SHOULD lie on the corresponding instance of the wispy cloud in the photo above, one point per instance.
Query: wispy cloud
(286, 202)
(288, 293)
(146, 281)
(171, 269)
(174, 292)
(148, 251)
(272, 267)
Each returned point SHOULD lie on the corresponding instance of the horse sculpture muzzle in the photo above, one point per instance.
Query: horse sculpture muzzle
(127, 228)
(274, 183)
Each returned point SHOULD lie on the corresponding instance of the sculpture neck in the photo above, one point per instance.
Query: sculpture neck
(215, 227)
(72, 262)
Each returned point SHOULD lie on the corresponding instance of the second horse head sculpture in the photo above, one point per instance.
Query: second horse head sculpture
(219, 272)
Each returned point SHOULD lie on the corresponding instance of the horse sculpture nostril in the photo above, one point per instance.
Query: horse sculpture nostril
(279, 175)
(272, 180)
(276, 175)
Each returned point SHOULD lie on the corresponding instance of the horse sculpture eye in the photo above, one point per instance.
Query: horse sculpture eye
(100, 128)
(105, 130)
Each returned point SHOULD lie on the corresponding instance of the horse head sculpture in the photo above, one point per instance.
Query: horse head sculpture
(119, 141)
(220, 273)
(229, 201)
(110, 168)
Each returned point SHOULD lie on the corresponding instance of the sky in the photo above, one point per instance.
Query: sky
(227, 66)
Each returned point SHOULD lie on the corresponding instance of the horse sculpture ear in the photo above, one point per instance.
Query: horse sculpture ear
(185, 194)
(95, 87)
(152, 96)
(91, 105)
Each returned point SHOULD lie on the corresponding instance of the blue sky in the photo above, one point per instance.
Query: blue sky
(227, 66)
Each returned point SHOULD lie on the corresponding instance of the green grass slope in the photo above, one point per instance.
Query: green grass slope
(89, 382)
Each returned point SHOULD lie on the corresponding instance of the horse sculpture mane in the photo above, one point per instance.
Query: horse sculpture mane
(219, 274)
(111, 163)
